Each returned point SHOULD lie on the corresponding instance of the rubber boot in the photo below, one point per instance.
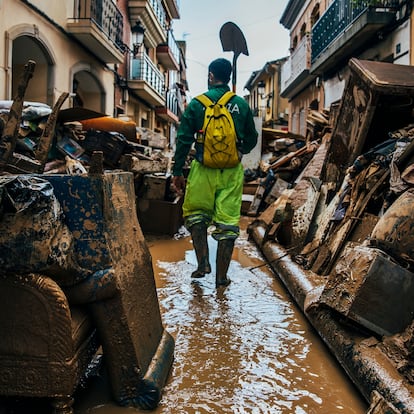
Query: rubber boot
(199, 236)
(224, 253)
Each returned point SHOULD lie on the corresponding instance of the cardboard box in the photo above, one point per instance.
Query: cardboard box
(159, 216)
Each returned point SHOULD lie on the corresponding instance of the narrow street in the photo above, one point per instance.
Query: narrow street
(245, 349)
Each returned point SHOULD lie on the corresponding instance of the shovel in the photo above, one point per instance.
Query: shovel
(233, 40)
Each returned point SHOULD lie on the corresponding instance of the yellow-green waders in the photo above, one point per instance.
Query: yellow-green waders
(213, 196)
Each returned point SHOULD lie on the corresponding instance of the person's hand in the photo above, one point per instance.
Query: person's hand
(178, 183)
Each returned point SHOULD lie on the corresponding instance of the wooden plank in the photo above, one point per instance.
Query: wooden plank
(46, 139)
(10, 131)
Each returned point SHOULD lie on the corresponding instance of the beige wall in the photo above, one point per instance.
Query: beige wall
(64, 57)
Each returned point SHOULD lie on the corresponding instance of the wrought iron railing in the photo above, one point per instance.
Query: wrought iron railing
(173, 46)
(172, 101)
(104, 14)
(142, 68)
(340, 15)
(298, 62)
(159, 12)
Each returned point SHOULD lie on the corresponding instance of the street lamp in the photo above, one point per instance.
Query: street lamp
(261, 88)
(137, 37)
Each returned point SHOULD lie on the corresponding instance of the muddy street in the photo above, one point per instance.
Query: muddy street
(245, 349)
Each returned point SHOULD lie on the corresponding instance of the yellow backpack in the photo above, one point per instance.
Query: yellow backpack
(218, 136)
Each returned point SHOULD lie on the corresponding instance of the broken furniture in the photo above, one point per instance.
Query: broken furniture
(137, 350)
(364, 287)
(377, 103)
(159, 209)
(378, 98)
(102, 264)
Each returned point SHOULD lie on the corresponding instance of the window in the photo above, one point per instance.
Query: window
(303, 31)
(315, 14)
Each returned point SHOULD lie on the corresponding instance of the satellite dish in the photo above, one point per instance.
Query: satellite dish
(233, 40)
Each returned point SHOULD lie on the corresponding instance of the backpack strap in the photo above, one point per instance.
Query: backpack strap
(206, 101)
(226, 98)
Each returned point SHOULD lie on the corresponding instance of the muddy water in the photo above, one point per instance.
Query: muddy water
(244, 349)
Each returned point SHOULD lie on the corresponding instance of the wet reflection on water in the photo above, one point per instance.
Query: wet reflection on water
(244, 349)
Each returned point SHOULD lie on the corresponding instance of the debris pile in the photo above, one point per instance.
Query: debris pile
(284, 156)
(38, 139)
(74, 258)
(347, 219)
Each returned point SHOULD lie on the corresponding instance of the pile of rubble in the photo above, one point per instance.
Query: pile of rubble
(284, 156)
(74, 141)
(340, 235)
(38, 139)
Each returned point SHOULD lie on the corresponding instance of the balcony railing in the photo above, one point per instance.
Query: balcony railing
(297, 64)
(104, 14)
(339, 16)
(173, 108)
(159, 12)
(172, 44)
(143, 69)
(168, 53)
(172, 102)
(152, 15)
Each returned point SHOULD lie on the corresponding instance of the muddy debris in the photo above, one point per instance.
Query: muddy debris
(344, 230)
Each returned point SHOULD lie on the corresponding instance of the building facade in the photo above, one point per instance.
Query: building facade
(264, 95)
(153, 84)
(325, 34)
(85, 47)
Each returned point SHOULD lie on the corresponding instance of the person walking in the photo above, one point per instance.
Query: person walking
(213, 196)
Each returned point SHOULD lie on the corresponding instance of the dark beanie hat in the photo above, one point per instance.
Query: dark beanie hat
(221, 69)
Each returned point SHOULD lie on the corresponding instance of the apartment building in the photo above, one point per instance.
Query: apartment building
(153, 83)
(264, 95)
(325, 34)
(116, 57)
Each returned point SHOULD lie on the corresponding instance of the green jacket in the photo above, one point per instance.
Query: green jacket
(192, 121)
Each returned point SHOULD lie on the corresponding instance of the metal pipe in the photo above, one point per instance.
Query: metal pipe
(368, 367)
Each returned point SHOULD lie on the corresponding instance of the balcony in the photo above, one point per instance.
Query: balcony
(168, 54)
(345, 28)
(98, 25)
(174, 8)
(146, 80)
(173, 108)
(295, 71)
(152, 15)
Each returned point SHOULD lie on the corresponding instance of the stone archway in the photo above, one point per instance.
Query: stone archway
(87, 90)
(40, 88)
